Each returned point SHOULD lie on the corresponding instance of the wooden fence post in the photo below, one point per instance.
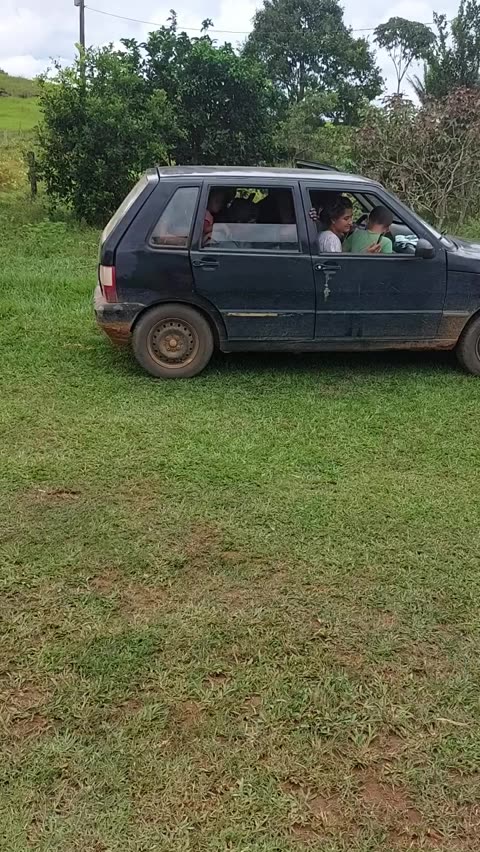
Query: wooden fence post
(32, 173)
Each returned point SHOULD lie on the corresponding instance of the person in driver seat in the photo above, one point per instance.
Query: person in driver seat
(372, 240)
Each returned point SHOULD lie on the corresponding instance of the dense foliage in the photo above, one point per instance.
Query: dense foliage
(429, 156)
(225, 106)
(172, 99)
(302, 86)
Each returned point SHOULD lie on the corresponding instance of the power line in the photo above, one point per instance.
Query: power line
(212, 30)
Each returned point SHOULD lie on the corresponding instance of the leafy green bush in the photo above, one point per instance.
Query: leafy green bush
(173, 99)
(101, 127)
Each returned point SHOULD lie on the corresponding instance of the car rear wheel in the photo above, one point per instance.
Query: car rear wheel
(468, 348)
(172, 342)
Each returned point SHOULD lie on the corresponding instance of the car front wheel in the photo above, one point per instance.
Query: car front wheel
(172, 341)
(468, 348)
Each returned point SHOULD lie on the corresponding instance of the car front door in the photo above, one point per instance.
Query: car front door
(257, 274)
(379, 298)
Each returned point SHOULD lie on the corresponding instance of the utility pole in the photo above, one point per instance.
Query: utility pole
(81, 11)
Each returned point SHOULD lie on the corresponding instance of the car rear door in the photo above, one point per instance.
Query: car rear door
(260, 280)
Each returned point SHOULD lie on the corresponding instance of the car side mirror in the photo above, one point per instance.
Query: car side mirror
(424, 250)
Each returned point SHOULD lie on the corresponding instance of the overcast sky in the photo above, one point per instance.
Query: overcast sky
(33, 31)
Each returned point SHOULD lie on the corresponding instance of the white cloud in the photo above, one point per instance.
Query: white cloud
(30, 33)
(23, 66)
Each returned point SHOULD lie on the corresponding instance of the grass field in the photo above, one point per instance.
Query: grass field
(240, 612)
(19, 110)
(18, 114)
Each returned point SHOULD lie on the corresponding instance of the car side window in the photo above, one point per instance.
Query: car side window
(250, 217)
(359, 224)
(175, 224)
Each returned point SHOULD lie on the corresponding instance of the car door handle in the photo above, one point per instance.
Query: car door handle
(329, 265)
(206, 263)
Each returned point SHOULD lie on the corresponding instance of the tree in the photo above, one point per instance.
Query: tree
(404, 41)
(101, 127)
(306, 47)
(170, 100)
(306, 134)
(455, 60)
(225, 105)
(429, 155)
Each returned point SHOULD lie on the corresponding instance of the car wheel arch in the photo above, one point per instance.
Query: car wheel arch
(469, 321)
(214, 319)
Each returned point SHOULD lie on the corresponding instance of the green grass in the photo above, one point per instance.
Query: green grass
(18, 114)
(240, 612)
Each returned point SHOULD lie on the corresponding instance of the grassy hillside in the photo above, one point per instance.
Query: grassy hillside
(18, 87)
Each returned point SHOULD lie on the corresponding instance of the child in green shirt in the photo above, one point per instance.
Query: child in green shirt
(379, 222)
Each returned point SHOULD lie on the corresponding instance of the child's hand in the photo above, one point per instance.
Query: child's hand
(375, 249)
(313, 215)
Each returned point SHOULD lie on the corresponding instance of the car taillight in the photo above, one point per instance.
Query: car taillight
(108, 283)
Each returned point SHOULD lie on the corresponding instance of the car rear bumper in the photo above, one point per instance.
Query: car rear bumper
(115, 318)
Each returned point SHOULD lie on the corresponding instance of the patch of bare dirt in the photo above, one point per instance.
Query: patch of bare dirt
(387, 620)
(350, 659)
(23, 707)
(202, 544)
(304, 833)
(458, 776)
(130, 706)
(390, 803)
(142, 602)
(292, 788)
(253, 704)
(135, 600)
(109, 581)
(57, 494)
(216, 680)
(188, 713)
(384, 749)
(31, 726)
(21, 699)
(326, 809)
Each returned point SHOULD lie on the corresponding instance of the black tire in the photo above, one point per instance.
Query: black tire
(172, 341)
(468, 348)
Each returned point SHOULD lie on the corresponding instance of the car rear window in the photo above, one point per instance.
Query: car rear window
(125, 207)
(175, 224)
(246, 218)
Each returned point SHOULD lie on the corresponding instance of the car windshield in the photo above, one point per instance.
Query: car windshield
(443, 239)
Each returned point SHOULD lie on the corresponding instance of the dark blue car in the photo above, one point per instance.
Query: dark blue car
(200, 258)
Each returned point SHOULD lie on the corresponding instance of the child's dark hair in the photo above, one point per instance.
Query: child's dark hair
(381, 216)
(335, 210)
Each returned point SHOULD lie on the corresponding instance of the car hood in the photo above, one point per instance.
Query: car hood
(465, 256)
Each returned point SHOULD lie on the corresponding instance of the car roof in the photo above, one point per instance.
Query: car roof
(258, 173)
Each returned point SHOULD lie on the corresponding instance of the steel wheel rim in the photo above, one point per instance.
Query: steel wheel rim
(173, 343)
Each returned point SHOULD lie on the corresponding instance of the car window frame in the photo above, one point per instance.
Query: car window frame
(175, 187)
(268, 183)
(365, 191)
